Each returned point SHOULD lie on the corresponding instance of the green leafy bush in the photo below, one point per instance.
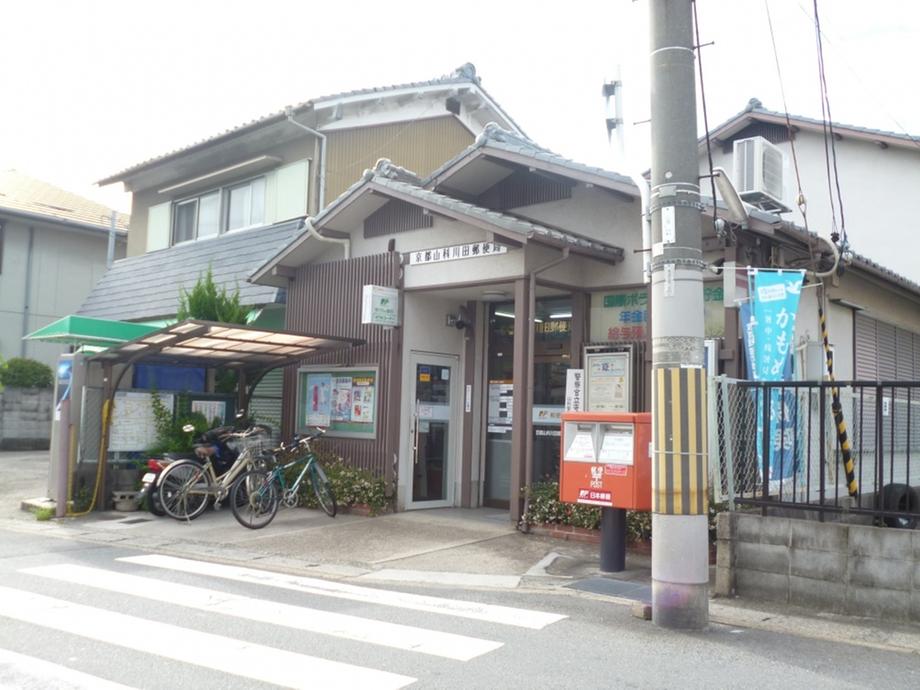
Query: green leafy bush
(21, 372)
(170, 436)
(544, 507)
(351, 485)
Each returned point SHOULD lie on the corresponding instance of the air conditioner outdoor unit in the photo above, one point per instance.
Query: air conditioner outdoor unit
(758, 174)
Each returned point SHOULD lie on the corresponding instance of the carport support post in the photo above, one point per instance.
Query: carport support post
(680, 546)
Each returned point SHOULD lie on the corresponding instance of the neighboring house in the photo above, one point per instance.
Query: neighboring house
(873, 306)
(465, 405)
(53, 249)
(231, 201)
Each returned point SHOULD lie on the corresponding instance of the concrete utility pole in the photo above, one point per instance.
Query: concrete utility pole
(680, 546)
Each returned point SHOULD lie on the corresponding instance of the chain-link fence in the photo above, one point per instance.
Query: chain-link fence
(780, 444)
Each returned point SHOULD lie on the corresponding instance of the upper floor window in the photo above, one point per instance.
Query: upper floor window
(221, 210)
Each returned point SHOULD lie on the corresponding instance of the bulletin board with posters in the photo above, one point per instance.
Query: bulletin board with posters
(342, 400)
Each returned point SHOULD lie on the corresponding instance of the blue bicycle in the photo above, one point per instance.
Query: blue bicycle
(256, 495)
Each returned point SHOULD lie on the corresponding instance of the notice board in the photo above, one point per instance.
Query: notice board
(342, 400)
(133, 424)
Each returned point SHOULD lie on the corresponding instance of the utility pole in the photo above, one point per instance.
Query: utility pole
(680, 547)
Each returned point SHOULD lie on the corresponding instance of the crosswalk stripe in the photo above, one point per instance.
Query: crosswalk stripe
(507, 615)
(236, 657)
(21, 670)
(448, 645)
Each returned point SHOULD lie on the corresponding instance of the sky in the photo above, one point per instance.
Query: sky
(90, 87)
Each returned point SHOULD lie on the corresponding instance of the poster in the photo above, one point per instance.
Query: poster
(211, 409)
(319, 399)
(362, 399)
(501, 398)
(133, 423)
(341, 398)
(608, 382)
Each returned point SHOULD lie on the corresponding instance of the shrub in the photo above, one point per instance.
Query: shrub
(20, 372)
(170, 436)
(544, 507)
(351, 485)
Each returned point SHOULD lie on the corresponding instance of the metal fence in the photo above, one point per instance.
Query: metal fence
(777, 444)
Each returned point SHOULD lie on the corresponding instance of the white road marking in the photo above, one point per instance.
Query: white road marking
(443, 578)
(506, 615)
(16, 669)
(409, 638)
(539, 568)
(236, 657)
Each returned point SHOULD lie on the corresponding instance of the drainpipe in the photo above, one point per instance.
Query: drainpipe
(289, 112)
(528, 426)
(644, 194)
(27, 293)
(312, 232)
(110, 252)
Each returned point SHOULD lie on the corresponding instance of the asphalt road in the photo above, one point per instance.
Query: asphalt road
(121, 616)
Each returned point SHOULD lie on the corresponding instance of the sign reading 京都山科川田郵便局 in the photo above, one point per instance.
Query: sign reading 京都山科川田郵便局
(380, 305)
(768, 327)
(455, 252)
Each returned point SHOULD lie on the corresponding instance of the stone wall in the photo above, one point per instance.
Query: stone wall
(25, 418)
(849, 569)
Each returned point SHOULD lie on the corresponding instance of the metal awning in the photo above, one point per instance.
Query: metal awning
(208, 344)
(85, 330)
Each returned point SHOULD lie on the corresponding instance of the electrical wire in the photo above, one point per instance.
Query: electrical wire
(712, 179)
(800, 200)
(830, 141)
(903, 130)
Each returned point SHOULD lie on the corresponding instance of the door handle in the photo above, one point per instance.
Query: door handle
(415, 436)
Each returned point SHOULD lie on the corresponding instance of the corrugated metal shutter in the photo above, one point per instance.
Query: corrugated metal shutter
(266, 402)
(887, 351)
(866, 364)
(905, 355)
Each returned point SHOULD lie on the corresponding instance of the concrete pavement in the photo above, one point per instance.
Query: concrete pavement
(464, 548)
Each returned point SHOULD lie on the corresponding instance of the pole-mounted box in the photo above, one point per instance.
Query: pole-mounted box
(605, 459)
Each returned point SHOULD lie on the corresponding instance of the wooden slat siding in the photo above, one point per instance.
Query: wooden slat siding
(523, 188)
(420, 146)
(326, 299)
(396, 216)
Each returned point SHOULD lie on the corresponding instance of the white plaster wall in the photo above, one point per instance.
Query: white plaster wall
(65, 267)
(424, 330)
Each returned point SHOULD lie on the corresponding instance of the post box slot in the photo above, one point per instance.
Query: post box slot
(616, 445)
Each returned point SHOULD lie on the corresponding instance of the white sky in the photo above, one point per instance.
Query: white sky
(92, 87)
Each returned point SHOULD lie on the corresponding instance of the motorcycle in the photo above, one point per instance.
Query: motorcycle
(212, 442)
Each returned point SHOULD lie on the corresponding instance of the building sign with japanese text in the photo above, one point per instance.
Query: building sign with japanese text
(624, 315)
(455, 252)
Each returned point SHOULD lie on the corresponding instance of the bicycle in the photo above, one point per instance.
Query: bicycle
(186, 485)
(256, 495)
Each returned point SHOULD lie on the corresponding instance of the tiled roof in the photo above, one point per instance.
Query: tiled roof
(755, 108)
(465, 74)
(24, 194)
(147, 286)
(495, 137)
(387, 176)
(500, 221)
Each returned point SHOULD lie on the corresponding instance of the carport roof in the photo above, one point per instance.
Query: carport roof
(210, 344)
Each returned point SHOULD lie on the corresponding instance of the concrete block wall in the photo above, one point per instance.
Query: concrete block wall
(855, 570)
(25, 418)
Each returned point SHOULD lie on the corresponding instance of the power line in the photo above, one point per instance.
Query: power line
(712, 179)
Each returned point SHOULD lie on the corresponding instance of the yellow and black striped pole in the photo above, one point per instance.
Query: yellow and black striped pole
(681, 483)
(837, 409)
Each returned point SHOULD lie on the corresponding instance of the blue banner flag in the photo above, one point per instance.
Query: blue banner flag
(768, 327)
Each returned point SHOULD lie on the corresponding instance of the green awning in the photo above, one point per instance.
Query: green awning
(85, 330)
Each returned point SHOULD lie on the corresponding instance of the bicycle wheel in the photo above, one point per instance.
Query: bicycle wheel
(254, 499)
(323, 489)
(183, 489)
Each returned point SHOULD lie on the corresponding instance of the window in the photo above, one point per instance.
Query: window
(220, 210)
(246, 205)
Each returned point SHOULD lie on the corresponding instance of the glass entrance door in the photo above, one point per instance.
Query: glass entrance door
(434, 430)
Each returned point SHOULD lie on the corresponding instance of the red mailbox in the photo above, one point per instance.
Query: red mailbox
(606, 459)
